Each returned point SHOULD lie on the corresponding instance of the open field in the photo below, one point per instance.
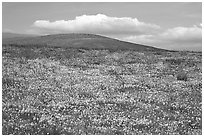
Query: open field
(77, 91)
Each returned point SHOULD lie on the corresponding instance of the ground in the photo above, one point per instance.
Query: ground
(49, 90)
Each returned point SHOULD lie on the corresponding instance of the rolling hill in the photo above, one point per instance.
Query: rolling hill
(77, 40)
(7, 35)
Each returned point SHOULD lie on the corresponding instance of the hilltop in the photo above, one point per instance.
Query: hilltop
(77, 40)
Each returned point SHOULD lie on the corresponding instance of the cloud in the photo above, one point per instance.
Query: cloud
(187, 38)
(183, 34)
(98, 24)
(178, 38)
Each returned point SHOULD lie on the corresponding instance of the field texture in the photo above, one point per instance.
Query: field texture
(77, 91)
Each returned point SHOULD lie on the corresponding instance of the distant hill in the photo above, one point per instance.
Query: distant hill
(6, 35)
(77, 40)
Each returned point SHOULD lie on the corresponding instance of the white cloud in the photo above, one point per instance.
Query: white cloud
(177, 38)
(99, 24)
(183, 34)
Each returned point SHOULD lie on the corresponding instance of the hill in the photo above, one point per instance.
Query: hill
(76, 40)
(6, 35)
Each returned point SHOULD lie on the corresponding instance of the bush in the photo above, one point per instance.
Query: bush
(177, 61)
(182, 76)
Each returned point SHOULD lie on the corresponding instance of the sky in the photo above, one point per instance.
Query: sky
(168, 25)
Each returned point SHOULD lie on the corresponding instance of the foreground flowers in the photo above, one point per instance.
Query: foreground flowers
(99, 92)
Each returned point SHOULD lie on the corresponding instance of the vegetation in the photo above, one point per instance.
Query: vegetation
(53, 90)
(182, 76)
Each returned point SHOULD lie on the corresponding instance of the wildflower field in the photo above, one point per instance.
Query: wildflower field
(70, 91)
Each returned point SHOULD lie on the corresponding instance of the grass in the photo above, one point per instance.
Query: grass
(77, 92)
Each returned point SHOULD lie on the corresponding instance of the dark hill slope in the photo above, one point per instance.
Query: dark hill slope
(87, 41)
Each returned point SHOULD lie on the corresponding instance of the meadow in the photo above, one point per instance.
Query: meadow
(58, 90)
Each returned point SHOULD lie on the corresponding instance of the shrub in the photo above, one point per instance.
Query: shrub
(182, 76)
(28, 53)
(175, 61)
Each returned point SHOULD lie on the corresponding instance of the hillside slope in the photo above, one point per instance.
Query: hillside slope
(88, 41)
(6, 35)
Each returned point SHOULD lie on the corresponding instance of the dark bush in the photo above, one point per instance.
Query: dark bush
(175, 61)
(182, 76)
